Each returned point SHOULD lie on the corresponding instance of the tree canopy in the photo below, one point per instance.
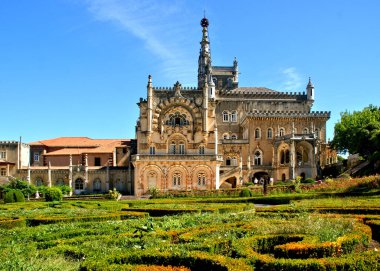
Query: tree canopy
(359, 132)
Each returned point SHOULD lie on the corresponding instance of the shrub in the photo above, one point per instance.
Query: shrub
(245, 193)
(308, 180)
(53, 194)
(14, 195)
(114, 194)
(65, 189)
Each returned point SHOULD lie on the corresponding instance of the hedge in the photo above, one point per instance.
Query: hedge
(57, 219)
(196, 261)
(12, 223)
(14, 195)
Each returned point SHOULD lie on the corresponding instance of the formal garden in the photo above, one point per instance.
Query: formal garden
(334, 225)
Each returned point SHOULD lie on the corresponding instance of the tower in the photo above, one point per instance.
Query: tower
(310, 90)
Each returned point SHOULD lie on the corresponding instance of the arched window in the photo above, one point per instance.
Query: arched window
(257, 133)
(270, 133)
(177, 119)
(119, 185)
(287, 157)
(234, 116)
(79, 184)
(234, 161)
(305, 131)
(226, 117)
(258, 158)
(152, 150)
(226, 136)
(201, 179)
(176, 179)
(282, 131)
(202, 149)
(97, 185)
(282, 157)
(234, 136)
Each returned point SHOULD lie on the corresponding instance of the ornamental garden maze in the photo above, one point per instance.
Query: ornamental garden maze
(219, 177)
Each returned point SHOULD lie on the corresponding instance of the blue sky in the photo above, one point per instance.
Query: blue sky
(78, 67)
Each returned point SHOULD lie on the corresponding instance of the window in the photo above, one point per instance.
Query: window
(234, 136)
(181, 148)
(234, 161)
(228, 161)
(36, 156)
(258, 158)
(172, 148)
(3, 155)
(79, 184)
(284, 157)
(226, 136)
(201, 179)
(282, 131)
(152, 150)
(176, 179)
(201, 149)
(177, 119)
(225, 116)
(234, 116)
(269, 133)
(287, 156)
(97, 185)
(97, 162)
(283, 177)
(257, 133)
(3, 171)
(305, 131)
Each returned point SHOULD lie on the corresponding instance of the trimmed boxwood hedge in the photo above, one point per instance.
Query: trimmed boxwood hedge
(14, 195)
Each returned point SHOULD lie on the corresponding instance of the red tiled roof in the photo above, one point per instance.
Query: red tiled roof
(76, 142)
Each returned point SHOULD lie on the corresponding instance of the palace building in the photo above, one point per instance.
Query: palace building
(221, 135)
(215, 135)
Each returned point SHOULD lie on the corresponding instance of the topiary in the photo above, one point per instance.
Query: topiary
(245, 193)
(53, 194)
(14, 195)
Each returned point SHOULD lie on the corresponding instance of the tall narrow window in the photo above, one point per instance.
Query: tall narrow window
(234, 161)
(282, 157)
(257, 133)
(3, 155)
(36, 156)
(172, 148)
(201, 179)
(287, 157)
(228, 161)
(176, 179)
(152, 150)
(3, 171)
(234, 116)
(226, 116)
(181, 148)
(282, 131)
(201, 149)
(79, 184)
(270, 133)
(258, 158)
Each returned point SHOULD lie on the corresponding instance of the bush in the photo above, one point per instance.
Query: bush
(53, 194)
(114, 194)
(65, 189)
(308, 180)
(245, 193)
(14, 195)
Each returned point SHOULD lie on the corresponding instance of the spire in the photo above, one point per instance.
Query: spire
(310, 90)
(204, 61)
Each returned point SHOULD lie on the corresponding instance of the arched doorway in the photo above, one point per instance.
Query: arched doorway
(232, 181)
(78, 186)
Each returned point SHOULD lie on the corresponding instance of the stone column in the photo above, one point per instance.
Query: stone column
(292, 160)
(71, 175)
(49, 174)
(216, 140)
(86, 173)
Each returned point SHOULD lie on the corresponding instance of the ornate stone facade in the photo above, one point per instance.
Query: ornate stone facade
(221, 135)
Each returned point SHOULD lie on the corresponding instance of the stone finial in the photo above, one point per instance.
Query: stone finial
(177, 89)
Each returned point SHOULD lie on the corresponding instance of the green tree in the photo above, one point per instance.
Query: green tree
(359, 132)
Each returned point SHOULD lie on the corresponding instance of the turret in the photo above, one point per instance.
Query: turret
(235, 72)
(310, 90)
(150, 102)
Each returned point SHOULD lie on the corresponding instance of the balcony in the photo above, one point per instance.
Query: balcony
(178, 157)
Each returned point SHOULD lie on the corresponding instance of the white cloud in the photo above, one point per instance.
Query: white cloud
(158, 24)
(292, 81)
